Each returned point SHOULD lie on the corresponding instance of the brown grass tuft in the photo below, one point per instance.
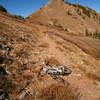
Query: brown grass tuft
(60, 92)
(52, 61)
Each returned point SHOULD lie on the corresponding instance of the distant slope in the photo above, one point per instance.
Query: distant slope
(73, 18)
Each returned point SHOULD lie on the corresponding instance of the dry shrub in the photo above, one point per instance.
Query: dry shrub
(60, 92)
(91, 73)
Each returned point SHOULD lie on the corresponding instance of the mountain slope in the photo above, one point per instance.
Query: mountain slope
(57, 13)
(31, 45)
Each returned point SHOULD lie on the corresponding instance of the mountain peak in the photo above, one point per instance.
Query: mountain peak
(62, 14)
(55, 1)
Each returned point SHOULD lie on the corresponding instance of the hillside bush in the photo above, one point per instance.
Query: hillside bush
(2, 9)
(86, 10)
(18, 17)
(95, 35)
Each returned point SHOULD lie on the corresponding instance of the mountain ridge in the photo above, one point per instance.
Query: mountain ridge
(62, 15)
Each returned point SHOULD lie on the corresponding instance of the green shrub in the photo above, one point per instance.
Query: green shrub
(18, 17)
(95, 35)
(87, 11)
(3, 9)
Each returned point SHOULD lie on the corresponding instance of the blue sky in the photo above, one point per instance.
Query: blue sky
(27, 7)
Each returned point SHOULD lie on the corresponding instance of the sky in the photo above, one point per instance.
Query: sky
(27, 7)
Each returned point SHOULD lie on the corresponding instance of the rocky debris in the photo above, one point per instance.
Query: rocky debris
(5, 47)
(69, 11)
(8, 59)
(3, 95)
(1, 59)
(25, 94)
(22, 95)
(5, 50)
(55, 71)
(3, 72)
(7, 87)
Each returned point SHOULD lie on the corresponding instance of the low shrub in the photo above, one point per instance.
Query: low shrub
(18, 17)
(95, 35)
(87, 11)
(2, 9)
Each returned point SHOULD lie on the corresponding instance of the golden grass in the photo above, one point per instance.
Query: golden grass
(89, 46)
(60, 92)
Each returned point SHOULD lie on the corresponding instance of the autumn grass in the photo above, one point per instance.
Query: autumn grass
(60, 92)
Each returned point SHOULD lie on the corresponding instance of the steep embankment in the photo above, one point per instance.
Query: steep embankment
(72, 18)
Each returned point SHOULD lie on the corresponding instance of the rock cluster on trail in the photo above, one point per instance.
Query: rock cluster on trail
(54, 71)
